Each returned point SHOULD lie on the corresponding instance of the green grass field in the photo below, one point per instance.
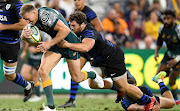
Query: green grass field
(83, 104)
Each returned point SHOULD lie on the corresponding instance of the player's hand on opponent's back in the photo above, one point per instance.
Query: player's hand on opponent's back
(63, 44)
(171, 63)
(44, 46)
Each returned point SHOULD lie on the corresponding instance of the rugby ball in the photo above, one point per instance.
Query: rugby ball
(36, 35)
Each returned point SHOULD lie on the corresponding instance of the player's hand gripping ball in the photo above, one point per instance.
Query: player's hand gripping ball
(36, 35)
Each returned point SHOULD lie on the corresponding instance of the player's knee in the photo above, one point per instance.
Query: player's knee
(172, 103)
(10, 77)
(76, 79)
(9, 72)
(42, 72)
(171, 82)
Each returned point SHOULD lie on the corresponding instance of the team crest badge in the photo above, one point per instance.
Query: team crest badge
(8, 6)
(175, 39)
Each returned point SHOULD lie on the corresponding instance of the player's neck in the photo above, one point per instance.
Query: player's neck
(82, 8)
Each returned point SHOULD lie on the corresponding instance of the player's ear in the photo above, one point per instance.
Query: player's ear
(82, 25)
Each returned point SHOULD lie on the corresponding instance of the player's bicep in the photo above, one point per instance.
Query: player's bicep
(61, 28)
(89, 43)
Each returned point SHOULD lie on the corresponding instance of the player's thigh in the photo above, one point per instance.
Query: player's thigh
(74, 67)
(121, 82)
(48, 62)
(166, 102)
(173, 75)
(26, 70)
(162, 67)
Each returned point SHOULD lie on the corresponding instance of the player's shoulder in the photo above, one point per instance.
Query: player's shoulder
(86, 8)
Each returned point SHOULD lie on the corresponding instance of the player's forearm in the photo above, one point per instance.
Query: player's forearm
(80, 47)
(59, 36)
(17, 26)
(135, 107)
(157, 49)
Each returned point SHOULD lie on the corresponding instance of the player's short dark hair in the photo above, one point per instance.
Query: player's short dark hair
(78, 16)
(170, 12)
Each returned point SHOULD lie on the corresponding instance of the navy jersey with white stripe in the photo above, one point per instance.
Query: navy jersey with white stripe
(102, 48)
(90, 14)
(9, 14)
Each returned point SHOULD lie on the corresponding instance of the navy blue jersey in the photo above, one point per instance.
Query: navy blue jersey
(102, 48)
(127, 100)
(9, 14)
(90, 14)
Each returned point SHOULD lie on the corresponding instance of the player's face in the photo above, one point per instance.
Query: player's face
(31, 17)
(75, 27)
(79, 4)
(168, 21)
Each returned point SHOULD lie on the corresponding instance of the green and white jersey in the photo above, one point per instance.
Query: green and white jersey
(172, 39)
(47, 19)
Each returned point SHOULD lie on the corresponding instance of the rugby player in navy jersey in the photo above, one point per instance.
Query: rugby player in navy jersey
(10, 23)
(164, 102)
(90, 14)
(106, 55)
(93, 19)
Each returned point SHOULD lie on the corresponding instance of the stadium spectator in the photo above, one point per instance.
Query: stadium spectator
(135, 27)
(143, 6)
(10, 24)
(117, 7)
(133, 6)
(109, 26)
(151, 30)
(116, 37)
(170, 34)
(155, 8)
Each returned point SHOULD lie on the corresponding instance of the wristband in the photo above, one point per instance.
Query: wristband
(177, 58)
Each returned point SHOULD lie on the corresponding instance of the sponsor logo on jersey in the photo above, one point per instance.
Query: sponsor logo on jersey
(8, 6)
(3, 18)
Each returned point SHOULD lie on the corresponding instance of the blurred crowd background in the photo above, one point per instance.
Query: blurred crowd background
(128, 23)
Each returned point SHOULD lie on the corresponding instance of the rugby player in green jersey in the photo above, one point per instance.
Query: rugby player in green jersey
(53, 23)
(169, 33)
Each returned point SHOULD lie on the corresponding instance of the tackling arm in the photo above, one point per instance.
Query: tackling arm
(17, 26)
(85, 46)
(63, 31)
